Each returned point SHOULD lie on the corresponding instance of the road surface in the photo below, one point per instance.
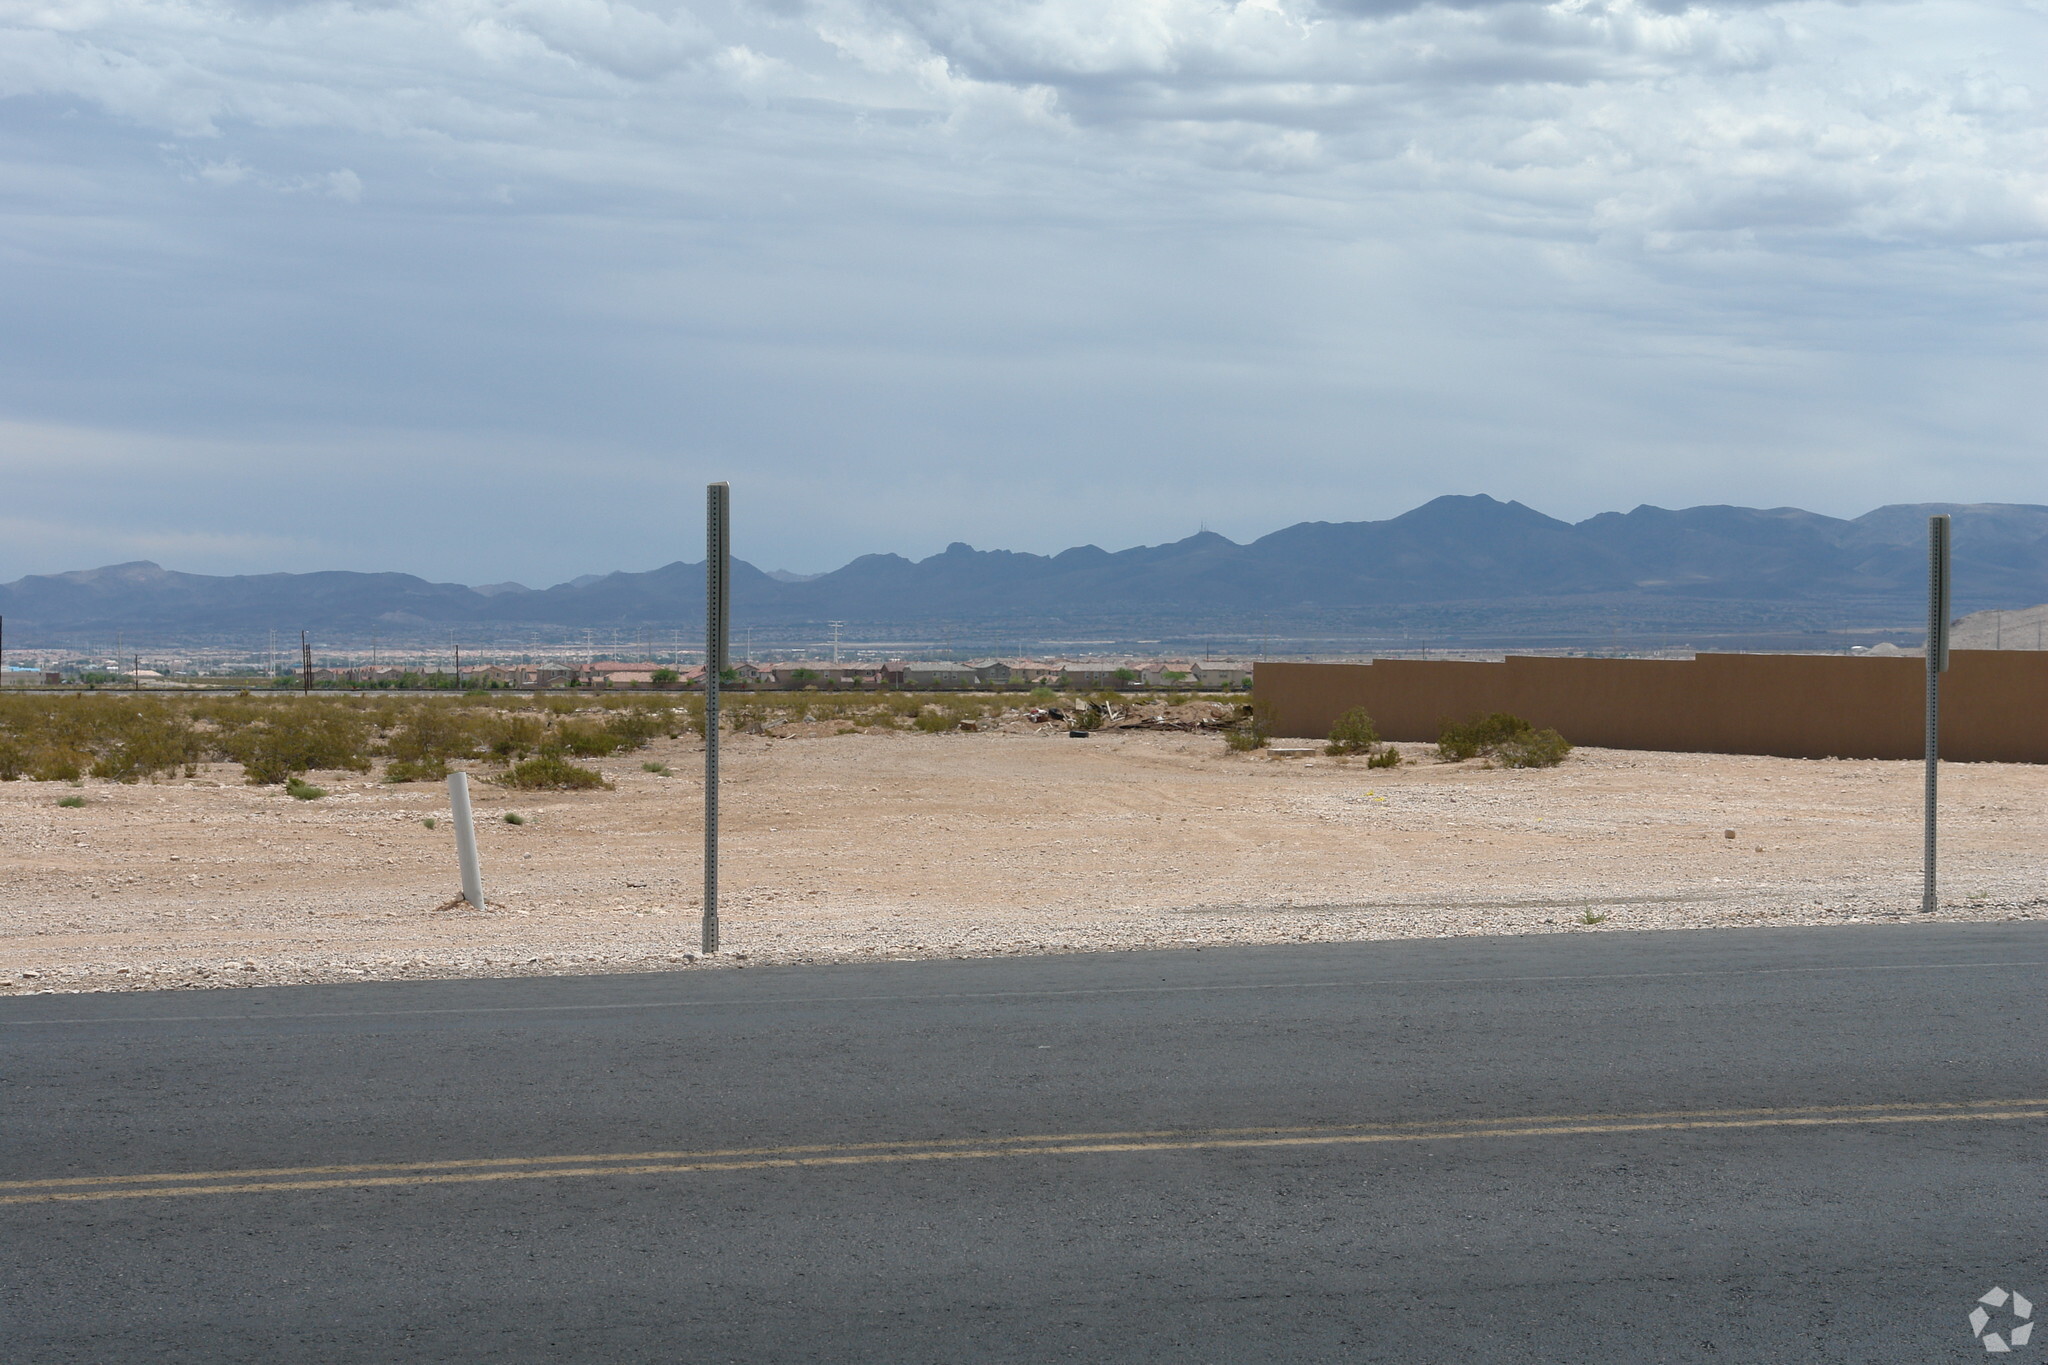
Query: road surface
(1719, 1146)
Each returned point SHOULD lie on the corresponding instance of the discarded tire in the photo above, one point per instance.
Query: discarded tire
(1077, 734)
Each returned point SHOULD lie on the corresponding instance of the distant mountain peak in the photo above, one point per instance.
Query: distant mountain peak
(1462, 559)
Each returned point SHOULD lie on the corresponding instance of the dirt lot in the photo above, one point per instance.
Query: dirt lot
(871, 845)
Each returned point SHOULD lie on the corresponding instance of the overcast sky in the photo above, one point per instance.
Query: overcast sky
(488, 289)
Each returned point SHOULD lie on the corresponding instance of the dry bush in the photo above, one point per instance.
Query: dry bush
(1531, 749)
(125, 739)
(1354, 733)
(550, 772)
(427, 739)
(1254, 727)
(1505, 741)
(1459, 740)
(298, 736)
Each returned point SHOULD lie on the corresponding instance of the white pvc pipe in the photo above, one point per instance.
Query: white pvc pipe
(465, 839)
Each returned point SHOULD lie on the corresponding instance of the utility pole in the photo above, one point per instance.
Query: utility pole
(458, 667)
(1937, 664)
(717, 602)
(835, 638)
(306, 663)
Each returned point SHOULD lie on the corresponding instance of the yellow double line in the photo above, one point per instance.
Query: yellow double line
(371, 1175)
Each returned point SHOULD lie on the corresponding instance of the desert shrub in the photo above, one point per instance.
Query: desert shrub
(21, 758)
(71, 802)
(1505, 741)
(56, 739)
(301, 790)
(551, 772)
(1253, 728)
(511, 737)
(1531, 749)
(1044, 696)
(513, 817)
(1458, 741)
(1389, 757)
(1354, 733)
(429, 735)
(934, 719)
(583, 738)
(53, 763)
(295, 737)
(145, 741)
(658, 769)
(633, 729)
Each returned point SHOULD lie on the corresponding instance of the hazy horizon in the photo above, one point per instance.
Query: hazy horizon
(695, 554)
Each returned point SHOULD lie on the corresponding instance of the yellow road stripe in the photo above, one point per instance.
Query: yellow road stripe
(74, 1189)
(1957, 1106)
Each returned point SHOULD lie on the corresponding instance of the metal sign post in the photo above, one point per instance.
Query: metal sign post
(717, 606)
(1937, 664)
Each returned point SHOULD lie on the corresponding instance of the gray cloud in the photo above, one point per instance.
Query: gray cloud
(485, 288)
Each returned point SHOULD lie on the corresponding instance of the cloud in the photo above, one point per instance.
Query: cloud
(1022, 272)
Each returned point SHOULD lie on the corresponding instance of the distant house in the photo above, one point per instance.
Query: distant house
(1222, 676)
(917, 677)
(805, 673)
(1099, 675)
(617, 674)
(1170, 673)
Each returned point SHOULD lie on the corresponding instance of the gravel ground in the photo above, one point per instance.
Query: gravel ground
(1020, 840)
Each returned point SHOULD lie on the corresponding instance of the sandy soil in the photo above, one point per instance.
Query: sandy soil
(857, 847)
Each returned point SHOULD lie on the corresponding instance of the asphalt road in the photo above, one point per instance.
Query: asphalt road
(1782, 1145)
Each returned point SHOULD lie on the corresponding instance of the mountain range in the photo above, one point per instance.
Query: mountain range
(1461, 568)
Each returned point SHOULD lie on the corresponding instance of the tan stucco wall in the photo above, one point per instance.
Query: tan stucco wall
(1994, 703)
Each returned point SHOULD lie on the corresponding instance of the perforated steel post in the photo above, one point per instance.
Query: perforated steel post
(717, 603)
(1937, 664)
